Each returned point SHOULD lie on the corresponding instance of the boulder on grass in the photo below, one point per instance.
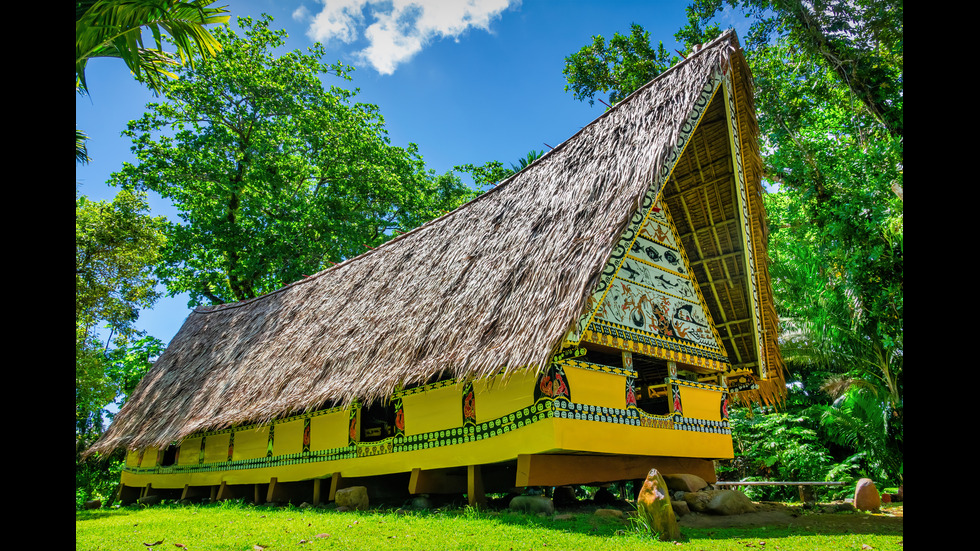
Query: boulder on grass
(149, 500)
(685, 482)
(730, 502)
(564, 496)
(719, 502)
(604, 497)
(353, 498)
(866, 496)
(653, 507)
(609, 513)
(533, 504)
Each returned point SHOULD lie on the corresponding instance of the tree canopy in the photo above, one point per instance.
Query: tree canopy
(619, 67)
(275, 175)
(116, 248)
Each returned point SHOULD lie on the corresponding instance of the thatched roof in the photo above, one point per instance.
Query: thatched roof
(495, 284)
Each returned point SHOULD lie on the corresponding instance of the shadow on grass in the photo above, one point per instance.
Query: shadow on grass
(96, 514)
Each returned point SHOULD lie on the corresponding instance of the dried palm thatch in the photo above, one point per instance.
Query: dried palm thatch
(493, 285)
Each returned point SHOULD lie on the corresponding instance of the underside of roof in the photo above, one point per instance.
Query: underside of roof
(494, 285)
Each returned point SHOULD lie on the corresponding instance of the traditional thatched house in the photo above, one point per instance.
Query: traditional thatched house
(586, 320)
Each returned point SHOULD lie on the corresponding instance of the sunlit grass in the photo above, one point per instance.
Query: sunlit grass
(247, 528)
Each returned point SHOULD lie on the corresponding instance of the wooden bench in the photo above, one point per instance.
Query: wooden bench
(806, 487)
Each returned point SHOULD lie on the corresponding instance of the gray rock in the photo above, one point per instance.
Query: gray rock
(149, 500)
(564, 496)
(355, 497)
(719, 502)
(533, 504)
(609, 513)
(604, 497)
(684, 482)
(730, 502)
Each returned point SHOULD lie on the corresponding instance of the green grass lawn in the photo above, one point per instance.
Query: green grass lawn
(242, 527)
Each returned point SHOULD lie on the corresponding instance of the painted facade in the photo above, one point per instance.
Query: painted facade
(643, 378)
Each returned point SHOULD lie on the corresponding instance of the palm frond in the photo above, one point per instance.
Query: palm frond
(81, 150)
(114, 28)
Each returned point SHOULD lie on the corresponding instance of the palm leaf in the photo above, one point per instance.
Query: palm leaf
(114, 28)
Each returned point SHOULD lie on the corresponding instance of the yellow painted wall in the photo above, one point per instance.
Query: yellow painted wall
(288, 437)
(251, 443)
(433, 409)
(440, 409)
(215, 448)
(498, 396)
(590, 436)
(596, 388)
(132, 458)
(534, 438)
(329, 431)
(150, 457)
(190, 452)
(701, 403)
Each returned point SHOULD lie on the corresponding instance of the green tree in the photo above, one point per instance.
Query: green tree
(861, 42)
(116, 247)
(275, 176)
(123, 367)
(114, 28)
(491, 173)
(618, 68)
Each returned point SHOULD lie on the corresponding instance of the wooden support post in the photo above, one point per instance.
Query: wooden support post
(222, 491)
(334, 486)
(317, 482)
(258, 494)
(563, 470)
(128, 494)
(214, 493)
(437, 481)
(270, 495)
(474, 486)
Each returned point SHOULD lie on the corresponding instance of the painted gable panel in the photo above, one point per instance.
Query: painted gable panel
(653, 298)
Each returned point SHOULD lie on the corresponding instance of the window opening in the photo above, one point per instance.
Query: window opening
(377, 421)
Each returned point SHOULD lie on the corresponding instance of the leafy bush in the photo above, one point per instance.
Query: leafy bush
(97, 479)
(778, 446)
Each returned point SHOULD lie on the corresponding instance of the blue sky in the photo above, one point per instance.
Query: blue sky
(467, 80)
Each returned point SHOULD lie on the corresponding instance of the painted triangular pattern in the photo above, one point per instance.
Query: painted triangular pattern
(654, 303)
(649, 259)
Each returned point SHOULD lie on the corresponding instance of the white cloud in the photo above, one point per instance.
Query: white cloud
(396, 30)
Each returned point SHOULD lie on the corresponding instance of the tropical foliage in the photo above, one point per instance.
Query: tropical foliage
(618, 68)
(275, 176)
(116, 249)
(114, 29)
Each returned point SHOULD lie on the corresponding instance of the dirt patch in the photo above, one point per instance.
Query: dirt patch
(779, 514)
